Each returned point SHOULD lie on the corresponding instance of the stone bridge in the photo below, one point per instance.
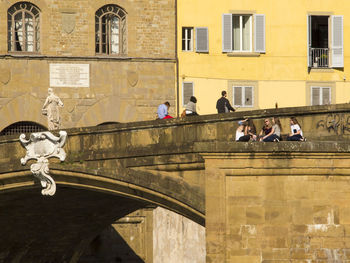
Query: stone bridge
(251, 197)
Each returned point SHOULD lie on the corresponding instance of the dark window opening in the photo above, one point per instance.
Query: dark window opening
(318, 41)
(22, 127)
(319, 31)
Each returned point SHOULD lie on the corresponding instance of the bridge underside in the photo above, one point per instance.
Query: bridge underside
(55, 229)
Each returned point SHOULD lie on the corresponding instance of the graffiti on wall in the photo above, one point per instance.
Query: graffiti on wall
(335, 123)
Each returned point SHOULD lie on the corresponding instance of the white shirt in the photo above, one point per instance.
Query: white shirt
(162, 111)
(296, 128)
(239, 134)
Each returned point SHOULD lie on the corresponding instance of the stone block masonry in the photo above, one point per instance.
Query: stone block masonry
(123, 87)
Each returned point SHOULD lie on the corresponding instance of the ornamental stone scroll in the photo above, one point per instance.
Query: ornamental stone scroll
(41, 146)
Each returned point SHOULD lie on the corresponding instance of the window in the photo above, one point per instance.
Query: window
(318, 41)
(23, 25)
(187, 92)
(241, 36)
(238, 33)
(243, 96)
(187, 38)
(23, 127)
(201, 36)
(110, 26)
(320, 54)
(320, 95)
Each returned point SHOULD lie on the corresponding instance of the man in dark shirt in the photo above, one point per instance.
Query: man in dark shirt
(223, 105)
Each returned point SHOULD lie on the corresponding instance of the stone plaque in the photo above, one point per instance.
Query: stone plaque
(70, 75)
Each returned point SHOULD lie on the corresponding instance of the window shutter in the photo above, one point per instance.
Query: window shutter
(337, 42)
(187, 92)
(326, 96)
(202, 44)
(248, 94)
(259, 30)
(237, 96)
(226, 32)
(315, 96)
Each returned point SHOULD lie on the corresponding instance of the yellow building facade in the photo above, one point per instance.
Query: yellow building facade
(263, 53)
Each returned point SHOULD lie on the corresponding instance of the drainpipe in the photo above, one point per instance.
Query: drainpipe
(177, 66)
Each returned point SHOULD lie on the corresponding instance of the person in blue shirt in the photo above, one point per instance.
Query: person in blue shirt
(163, 111)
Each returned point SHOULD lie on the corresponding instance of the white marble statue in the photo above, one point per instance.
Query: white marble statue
(50, 109)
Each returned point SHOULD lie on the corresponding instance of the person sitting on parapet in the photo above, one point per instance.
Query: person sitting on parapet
(296, 132)
(190, 108)
(223, 105)
(246, 131)
(277, 127)
(241, 132)
(163, 111)
(250, 129)
(267, 132)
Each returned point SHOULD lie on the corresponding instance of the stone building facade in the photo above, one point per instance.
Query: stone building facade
(127, 47)
(108, 61)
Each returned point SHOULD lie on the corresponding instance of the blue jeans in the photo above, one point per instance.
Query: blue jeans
(296, 137)
(271, 138)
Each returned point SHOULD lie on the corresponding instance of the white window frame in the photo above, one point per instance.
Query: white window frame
(243, 96)
(321, 95)
(187, 38)
(183, 97)
(241, 32)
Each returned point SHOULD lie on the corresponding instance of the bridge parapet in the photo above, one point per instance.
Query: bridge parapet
(178, 164)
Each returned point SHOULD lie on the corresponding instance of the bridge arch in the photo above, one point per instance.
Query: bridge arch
(149, 189)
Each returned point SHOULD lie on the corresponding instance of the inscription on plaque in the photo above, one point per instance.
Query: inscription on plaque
(70, 75)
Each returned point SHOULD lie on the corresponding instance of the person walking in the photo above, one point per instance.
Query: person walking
(223, 105)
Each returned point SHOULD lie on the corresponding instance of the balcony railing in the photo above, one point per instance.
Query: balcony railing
(319, 57)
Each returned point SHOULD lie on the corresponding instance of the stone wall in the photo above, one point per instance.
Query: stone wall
(266, 204)
(150, 235)
(119, 92)
(150, 27)
(177, 239)
(122, 88)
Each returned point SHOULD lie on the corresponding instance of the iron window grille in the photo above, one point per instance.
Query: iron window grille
(22, 127)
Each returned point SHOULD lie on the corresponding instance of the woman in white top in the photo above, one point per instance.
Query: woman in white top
(296, 132)
(241, 132)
